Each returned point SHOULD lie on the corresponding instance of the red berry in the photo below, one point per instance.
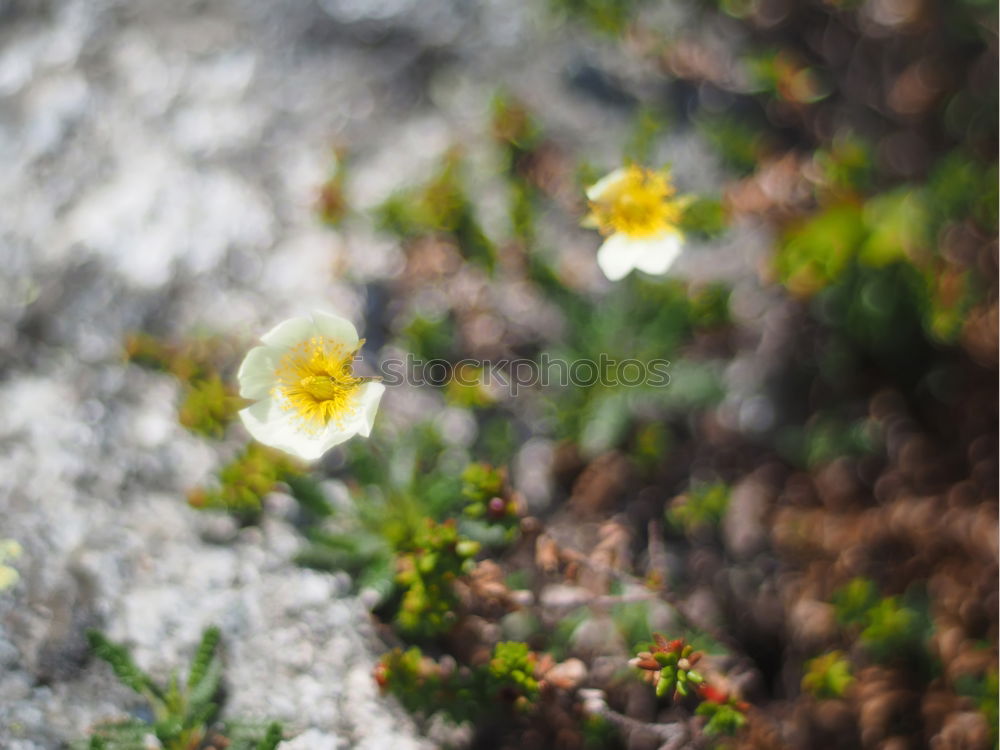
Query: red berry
(497, 508)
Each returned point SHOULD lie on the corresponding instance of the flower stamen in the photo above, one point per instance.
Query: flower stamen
(639, 204)
(316, 381)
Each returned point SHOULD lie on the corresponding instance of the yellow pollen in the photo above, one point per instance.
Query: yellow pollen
(316, 381)
(640, 204)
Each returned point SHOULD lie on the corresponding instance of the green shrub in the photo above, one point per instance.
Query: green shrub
(828, 676)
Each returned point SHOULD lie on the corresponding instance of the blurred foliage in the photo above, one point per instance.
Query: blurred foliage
(643, 321)
(826, 437)
(600, 734)
(702, 506)
(892, 628)
(985, 692)
(430, 338)
(604, 16)
(650, 123)
(208, 401)
(738, 145)
(208, 406)
(243, 483)
(331, 206)
(876, 261)
(723, 718)
(9, 551)
(468, 387)
(442, 207)
(780, 75)
(845, 165)
(896, 630)
(828, 676)
(632, 619)
(704, 218)
(419, 482)
(852, 601)
(185, 712)
(520, 138)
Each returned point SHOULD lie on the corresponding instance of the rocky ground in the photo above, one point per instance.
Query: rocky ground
(161, 162)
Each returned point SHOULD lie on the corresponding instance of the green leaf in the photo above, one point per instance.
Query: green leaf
(662, 686)
(204, 656)
(121, 663)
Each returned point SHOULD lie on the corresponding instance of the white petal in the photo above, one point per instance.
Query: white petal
(599, 188)
(290, 332)
(256, 374)
(309, 446)
(620, 254)
(657, 254)
(278, 428)
(271, 425)
(334, 327)
(617, 256)
(368, 400)
(359, 423)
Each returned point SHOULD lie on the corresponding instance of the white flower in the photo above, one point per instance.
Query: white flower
(637, 211)
(307, 396)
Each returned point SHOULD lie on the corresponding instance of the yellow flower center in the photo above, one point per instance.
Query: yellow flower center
(316, 381)
(640, 204)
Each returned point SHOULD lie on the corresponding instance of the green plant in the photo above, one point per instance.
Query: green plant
(640, 319)
(828, 676)
(208, 406)
(185, 712)
(245, 481)
(852, 601)
(985, 693)
(505, 684)
(511, 673)
(490, 510)
(705, 218)
(605, 16)
(703, 506)
(826, 437)
(738, 144)
(519, 137)
(208, 403)
(895, 630)
(440, 206)
(427, 567)
(725, 716)
(892, 628)
(410, 480)
(670, 666)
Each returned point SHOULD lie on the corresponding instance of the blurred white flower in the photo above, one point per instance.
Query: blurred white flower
(307, 396)
(636, 210)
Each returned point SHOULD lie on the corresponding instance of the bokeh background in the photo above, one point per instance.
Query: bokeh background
(812, 501)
